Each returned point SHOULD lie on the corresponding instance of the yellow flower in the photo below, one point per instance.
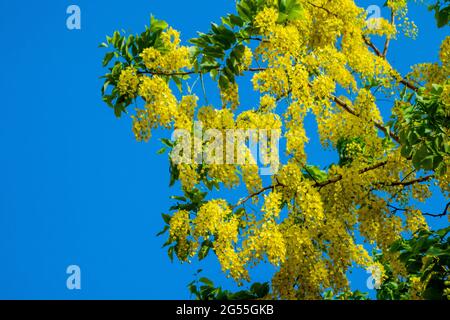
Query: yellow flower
(266, 20)
(272, 204)
(179, 231)
(230, 96)
(173, 59)
(128, 82)
(267, 103)
(444, 54)
(246, 60)
(161, 104)
(152, 58)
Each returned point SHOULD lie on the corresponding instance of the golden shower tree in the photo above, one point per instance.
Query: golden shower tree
(301, 57)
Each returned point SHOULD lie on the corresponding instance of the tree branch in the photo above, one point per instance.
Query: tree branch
(347, 108)
(407, 183)
(434, 215)
(323, 8)
(373, 46)
(381, 55)
(185, 73)
(388, 39)
(255, 194)
(340, 177)
(439, 215)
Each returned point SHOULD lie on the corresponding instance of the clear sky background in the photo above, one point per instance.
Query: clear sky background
(75, 187)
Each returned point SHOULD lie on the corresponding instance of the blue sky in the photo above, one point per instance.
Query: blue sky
(75, 187)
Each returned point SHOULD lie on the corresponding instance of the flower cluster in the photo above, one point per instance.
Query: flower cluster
(171, 58)
(128, 82)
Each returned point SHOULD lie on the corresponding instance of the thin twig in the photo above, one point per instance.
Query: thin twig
(380, 54)
(373, 46)
(388, 39)
(434, 215)
(340, 177)
(347, 108)
(440, 215)
(407, 183)
(309, 174)
(186, 73)
(255, 194)
(323, 8)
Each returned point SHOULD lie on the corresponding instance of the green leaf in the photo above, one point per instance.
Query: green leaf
(419, 155)
(108, 58)
(166, 217)
(239, 212)
(245, 13)
(174, 174)
(105, 86)
(206, 281)
(289, 10)
(260, 289)
(171, 252)
(162, 150)
(157, 25)
(118, 111)
(236, 20)
(162, 231)
(178, 83)
(443, 232)
(224, 83)
(167, 142)
(179, 198)
(442, 17)
(437, 252)
(204, 249)
(432, 293)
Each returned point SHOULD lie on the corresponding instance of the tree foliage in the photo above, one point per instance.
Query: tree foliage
(441, 10)
(424, 271)
(302, 57)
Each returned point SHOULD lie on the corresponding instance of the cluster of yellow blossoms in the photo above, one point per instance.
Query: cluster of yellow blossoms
(180, 231)
(128, 82)
(161, 105)
(266, 20)
(171, 58)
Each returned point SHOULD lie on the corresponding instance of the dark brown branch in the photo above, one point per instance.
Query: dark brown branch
(340, 177)
(439, 215)
(403, 179)
(347, 108)
(371, 45)
(380, 54)
(407, 183)
(388, 39)
(434, 215)
(323, 8)
(185, 73)
(409, 84)
(255, 194)
(162, 73)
